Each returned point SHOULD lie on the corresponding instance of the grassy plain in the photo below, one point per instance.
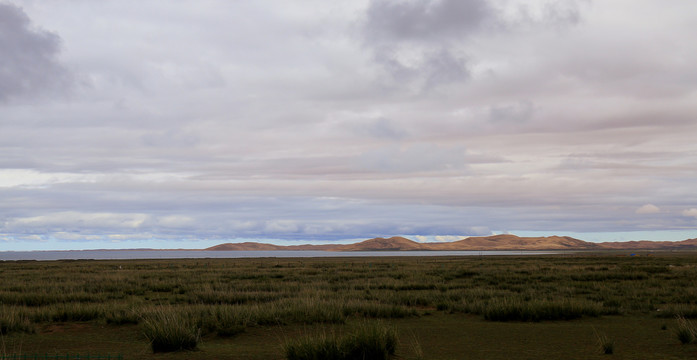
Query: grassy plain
(522, 307)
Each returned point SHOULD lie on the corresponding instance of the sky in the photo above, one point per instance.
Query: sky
(185, 124)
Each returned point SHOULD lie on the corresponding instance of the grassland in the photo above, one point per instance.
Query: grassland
(563, 306)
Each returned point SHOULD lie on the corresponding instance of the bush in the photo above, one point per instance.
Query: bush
(170, 330)
(371, 341)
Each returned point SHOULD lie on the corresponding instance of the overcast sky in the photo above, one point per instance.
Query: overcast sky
(190, 123)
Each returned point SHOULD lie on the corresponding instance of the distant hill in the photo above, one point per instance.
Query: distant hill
(255, 246)
(479, 243)
(512, 242)
(395, 243)
(651, 245)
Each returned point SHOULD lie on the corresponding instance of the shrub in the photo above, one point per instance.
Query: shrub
(170, 330)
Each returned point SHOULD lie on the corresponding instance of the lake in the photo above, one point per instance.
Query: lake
(202, 254)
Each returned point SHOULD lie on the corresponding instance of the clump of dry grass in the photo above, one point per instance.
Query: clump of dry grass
(370, 341)
(685, 331)
(12, 320)
(605, 344)
(170, 330)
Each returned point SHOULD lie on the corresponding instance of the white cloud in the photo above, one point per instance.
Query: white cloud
(281, 226)
(690, 212)
(76, 221)
(28, 178)
(175, 221)
(648, 209)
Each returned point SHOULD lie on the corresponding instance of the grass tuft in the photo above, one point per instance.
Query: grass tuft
(539, 310)
(370, 341)
(169, 329)
(605, 344)
(416, 348)
(11, 320)
(320, 346)
(686, 331)
(229, 320)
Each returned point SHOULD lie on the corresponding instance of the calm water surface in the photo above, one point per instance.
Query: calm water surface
(202, 254)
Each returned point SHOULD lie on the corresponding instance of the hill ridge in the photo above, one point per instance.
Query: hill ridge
(474, 243)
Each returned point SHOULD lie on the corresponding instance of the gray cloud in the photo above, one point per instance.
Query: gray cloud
(390, 21)
(414, 158)
(512, 113)
(424, 44)
(380, 128)
(418, 41)
(28, 61)
(559, 13)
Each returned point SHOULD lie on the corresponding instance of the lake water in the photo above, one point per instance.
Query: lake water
(202, 254)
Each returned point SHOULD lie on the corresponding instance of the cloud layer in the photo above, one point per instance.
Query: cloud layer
(124, 120)
(28, 64)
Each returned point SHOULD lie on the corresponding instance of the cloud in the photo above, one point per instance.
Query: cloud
(380, 128)
(560, 13)
(28, 60)
(416, 41)
(648, 209)
(338, 120)
(78, 221)
(690, 212)
(443, 67)
(519, 112)
(26, 178)
(413, 158)
(391, 21)
(423, 45)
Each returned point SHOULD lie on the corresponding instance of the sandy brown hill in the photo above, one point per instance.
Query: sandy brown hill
(513, 242)
(495, 242)
(650, 245)
(255, 246)
(395, 243)
(246, 246)
(478, 243)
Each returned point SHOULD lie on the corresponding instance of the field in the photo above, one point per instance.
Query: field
(581, 306)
